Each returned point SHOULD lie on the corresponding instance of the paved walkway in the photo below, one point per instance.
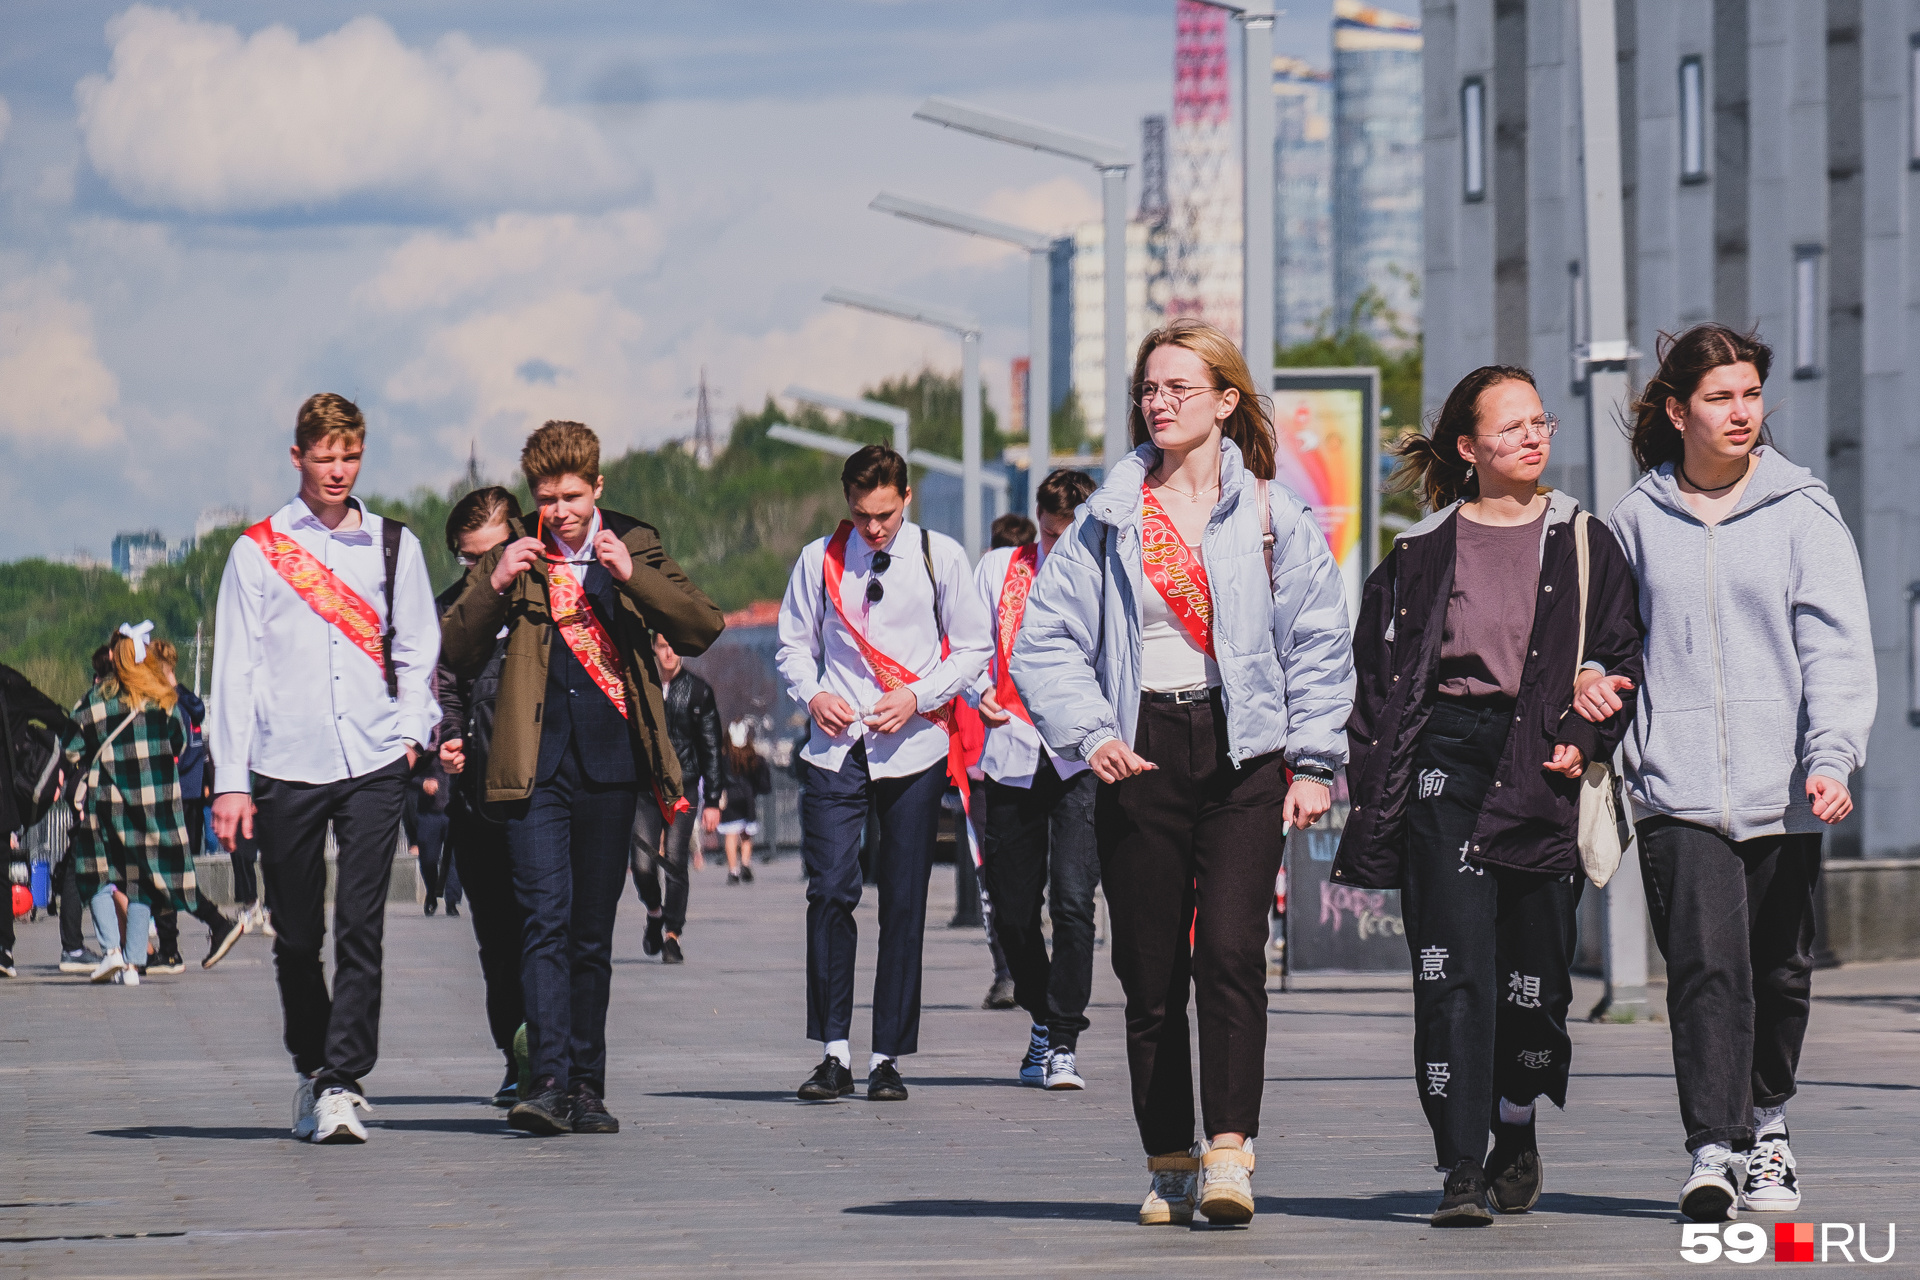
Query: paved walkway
(145, 1131)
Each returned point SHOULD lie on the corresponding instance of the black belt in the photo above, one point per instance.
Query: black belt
(1182, 695)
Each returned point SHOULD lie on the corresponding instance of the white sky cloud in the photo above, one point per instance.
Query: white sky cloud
(196, 117)
(436, 269)
(58, 392)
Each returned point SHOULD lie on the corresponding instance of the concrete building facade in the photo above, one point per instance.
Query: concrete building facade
(1377, 167)
(1303, 201)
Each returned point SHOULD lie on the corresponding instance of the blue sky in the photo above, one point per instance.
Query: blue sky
(471, 217)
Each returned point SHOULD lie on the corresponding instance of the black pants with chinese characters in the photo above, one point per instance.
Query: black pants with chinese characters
(1491, 947)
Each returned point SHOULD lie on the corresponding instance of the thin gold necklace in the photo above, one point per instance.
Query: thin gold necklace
(1168, 484)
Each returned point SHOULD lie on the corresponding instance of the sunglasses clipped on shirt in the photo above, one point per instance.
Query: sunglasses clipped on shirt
(876, 590)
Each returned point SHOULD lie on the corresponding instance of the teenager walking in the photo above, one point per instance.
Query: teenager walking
(1466, 769)
(222, 931)
(1039, 816)
(746, 778)
(878, 634)
(579, 732)
(323, 698)
(1190, 661)
(663, 848)
(1758, 693)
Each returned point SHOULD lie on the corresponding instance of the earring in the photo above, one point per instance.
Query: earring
(1469, 476)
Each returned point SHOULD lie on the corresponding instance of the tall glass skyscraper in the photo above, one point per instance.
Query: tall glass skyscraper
(1303, 202)
(1378, 170)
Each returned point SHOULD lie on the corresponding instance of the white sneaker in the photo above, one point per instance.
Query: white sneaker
(1171, 1193)
(1226, 1185)
(303, 1108)
(1033, 1067)
(1770, 1186)
(333, 1118)
(110, 964)
(128, 977)
(264, 922)
(1711, 1193)
(1060, 1072)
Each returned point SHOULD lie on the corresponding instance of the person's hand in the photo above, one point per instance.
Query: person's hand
(430, 786)
(1831, 801)
(710, 819)
(991, 712)
(1306, 801)
(831, 712)
(1567, 759)
(413, 754)
(1596, 696)
(613, 553)
(453, 756)
(232, 818)
(520, 556)
(1114, 761)
(892, 712)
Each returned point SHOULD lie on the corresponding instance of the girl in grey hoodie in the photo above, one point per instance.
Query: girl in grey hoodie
(1754, 704)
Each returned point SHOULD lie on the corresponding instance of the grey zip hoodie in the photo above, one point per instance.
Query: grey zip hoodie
(1759, 666)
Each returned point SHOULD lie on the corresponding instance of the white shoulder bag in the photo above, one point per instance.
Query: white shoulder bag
(1604, 832)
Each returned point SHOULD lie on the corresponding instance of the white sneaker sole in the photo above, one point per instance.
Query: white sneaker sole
(1065, 1081)
(1775, 1200)
(1709, 1200)
(338, 1135)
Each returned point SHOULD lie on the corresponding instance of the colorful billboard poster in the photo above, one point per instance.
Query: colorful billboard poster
(1326, 455)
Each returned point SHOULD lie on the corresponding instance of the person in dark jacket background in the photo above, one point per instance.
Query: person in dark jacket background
(20, 703)
(693, 723)
(426, 823)
(1465, 771)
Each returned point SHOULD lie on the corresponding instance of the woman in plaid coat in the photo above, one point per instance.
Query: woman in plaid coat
(131, 830)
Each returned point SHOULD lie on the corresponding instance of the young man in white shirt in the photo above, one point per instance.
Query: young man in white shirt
(879, 630)
(1039, 816)
(323, 698)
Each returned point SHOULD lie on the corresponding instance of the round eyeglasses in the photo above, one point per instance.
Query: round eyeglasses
(1515, 433)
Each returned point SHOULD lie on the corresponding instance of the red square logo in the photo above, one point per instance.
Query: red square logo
(1793, 1242)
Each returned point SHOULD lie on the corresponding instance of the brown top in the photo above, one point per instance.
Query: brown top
(1496, 571)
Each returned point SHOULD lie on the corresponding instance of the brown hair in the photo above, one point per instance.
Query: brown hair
(740, 759)
(325, 416)
(561, 449)
(874, 467)
(1684, 361)
(1063, 491)
(1013, 530)
(144, 682)
(1251, 424)
(1432, 463)
(478, 510)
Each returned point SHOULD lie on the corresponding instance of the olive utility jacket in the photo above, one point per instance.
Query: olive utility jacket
(657, 598)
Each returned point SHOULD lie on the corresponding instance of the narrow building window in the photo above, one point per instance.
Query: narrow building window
(1806, 310)
(1473, 138)
(1693, 120)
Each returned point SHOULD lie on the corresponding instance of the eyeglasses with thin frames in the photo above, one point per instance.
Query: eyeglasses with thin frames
(1515, 433)
(1179, 393)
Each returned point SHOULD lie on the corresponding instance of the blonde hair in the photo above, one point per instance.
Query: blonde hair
(145, 682)
(1251, 424)
(561, 449)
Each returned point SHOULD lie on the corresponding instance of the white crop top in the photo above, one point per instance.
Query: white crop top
(1170, 659)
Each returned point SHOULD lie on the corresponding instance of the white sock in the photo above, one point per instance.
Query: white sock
(838, 1049)
(1514, 1113)
(1712, 1150)
(1768, 1121)
(874, 1062)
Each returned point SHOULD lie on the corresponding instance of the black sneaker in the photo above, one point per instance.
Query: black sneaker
(453, 911)
(651, 943)
(829, 1082)
(885, 1085)
(509, 1091)
(544, 1113)
(220, 940)
(1514, 1175)
(588, 1113)
(999, 995)
(733, 877)
(670, 952)
(166, 964)
(746, 873)
(432, 904)
(1464, 1201)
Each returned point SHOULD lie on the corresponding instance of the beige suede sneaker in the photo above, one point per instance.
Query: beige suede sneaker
(1170, 1197)
(1226, 1186)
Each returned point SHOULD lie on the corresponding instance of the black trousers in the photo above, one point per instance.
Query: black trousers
(1491, 946)
(661, 850)
(568, 844)
(1196, 834)
(72, 909)
(246, 887)
(436, 866)
(167, 923)
(1735, 923)
(1040, 842)
(333, 1037)
(833, 813)
(486, 872)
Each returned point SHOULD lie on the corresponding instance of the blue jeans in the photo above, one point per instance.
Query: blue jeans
(106, 926)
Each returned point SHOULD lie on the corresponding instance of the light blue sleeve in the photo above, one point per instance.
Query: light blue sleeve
(1055, 655)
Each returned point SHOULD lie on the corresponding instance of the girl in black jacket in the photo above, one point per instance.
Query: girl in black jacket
(1465, 771)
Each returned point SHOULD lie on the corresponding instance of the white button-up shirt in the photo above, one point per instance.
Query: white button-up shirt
(818, 654)
(1014, 750)
(293, 698)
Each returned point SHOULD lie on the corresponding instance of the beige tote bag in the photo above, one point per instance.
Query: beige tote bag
(1604, 831)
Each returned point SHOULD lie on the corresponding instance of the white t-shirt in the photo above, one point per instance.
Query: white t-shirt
(1170, 659)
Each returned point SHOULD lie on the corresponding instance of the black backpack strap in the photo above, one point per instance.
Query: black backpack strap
(390, 531)
(926, 555)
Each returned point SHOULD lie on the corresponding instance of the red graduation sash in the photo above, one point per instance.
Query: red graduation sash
(1175, 572)
(324, 591)
(1013, 607)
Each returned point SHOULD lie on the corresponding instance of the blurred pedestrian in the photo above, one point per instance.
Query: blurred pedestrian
(427, 796)
(223, 931)
(661, 849)
(21, 703)
(747, 778)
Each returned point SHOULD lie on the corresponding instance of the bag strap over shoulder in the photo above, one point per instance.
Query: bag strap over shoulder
(390, 531)
(1266, 528)
(1583, 555)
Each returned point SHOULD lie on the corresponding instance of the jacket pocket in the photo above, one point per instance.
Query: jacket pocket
(1760, 755)
(1677, 760)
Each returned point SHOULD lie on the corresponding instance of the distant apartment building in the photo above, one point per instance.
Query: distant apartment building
(211, 518)
(1089, 313)
(1378, 165)
(1206, 215)
(1303, 201)
(134, 553)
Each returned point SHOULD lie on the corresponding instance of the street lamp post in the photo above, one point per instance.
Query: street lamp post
(1039, 309)
(891, 414)
(1112, 161)
(968, 330)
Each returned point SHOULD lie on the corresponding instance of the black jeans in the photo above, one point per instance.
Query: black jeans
(436, 865)
(246, 887)
(653, 857)
(1491, 946)
(568, 842)
(67, 884)
(167, 923)
(1194, 834)
(486, 872)
(334, 1037)
(1040, 840)
(1735, 923)
(833, 814)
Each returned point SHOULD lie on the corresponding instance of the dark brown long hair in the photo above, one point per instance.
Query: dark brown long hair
(1684, 360)
(1251, 424)
(1431, 464)
(740, 759)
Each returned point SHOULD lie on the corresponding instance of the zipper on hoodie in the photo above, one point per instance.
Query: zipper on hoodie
(1719, 690)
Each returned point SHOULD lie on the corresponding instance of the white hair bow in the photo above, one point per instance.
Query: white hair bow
(140, 635)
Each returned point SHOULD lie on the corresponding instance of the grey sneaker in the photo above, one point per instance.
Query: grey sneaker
(1172, 1190)
(303, 1108)
(1060, 1072)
